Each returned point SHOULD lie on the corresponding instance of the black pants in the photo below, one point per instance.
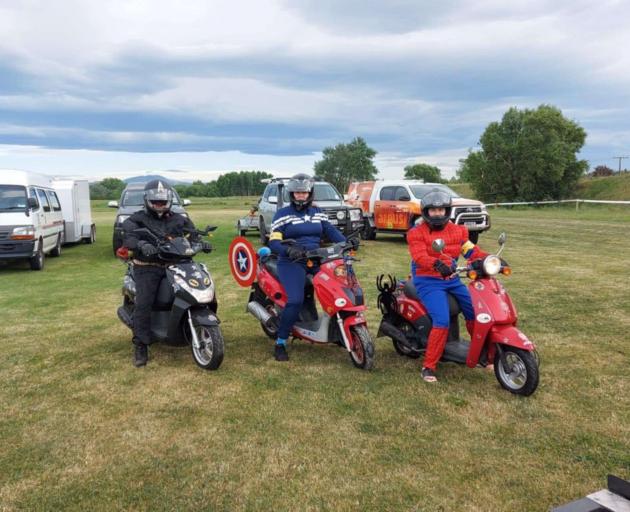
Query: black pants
(147, 283)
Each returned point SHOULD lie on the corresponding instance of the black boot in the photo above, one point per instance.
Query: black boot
(280, 353)
(140, 355)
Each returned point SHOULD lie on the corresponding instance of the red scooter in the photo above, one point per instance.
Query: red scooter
(496, 339)
(337, 289)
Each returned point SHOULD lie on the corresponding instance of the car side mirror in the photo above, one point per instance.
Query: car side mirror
(273, 199)
(438, 245)
(186, 202)
(32, 203)
(404, 198)
(112, 204)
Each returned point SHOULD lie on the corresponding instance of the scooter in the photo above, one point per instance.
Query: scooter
(337, 289)
(496, 338)
(185, 307)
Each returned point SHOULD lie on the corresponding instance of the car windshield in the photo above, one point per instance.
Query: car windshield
(12, 197)
(321, 192)
(419, 190)
(136, 198)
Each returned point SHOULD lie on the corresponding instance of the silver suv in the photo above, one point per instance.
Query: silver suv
(346, 218)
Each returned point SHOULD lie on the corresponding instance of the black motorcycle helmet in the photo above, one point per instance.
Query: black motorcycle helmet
(436, 199)
(300, 183)
(158, 197)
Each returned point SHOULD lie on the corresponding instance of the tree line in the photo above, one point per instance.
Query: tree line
(243, 183)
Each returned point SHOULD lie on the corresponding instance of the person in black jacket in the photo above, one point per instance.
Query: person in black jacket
(148, 270)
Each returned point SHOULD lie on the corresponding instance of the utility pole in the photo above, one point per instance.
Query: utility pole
(620, 158)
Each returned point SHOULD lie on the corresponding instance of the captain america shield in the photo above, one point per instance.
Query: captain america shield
(242, 261)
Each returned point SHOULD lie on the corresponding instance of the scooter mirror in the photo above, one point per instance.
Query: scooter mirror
(438, 245)
(502, 238)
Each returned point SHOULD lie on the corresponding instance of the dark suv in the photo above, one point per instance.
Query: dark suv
(346, 218)
(132, 200)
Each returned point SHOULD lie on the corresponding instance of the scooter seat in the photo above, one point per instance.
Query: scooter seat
(271, 264)
(410, 291)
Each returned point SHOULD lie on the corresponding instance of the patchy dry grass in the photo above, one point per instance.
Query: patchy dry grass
(81, 428)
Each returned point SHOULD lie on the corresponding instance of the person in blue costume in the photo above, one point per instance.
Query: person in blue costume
(307, 225)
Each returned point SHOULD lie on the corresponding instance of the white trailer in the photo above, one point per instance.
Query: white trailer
(74, 196)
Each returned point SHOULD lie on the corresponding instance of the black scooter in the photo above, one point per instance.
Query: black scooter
(185, 307)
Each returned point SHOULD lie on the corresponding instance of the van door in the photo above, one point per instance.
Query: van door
(48, 231)
(56, 215)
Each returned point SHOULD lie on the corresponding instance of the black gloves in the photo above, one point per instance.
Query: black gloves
(206, 247)
(353, 242)
(147, 249)
(444, 269)
(295, 252)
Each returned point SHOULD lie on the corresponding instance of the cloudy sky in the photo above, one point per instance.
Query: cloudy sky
(123, 87)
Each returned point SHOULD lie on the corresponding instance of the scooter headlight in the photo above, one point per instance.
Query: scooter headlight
(492, 265)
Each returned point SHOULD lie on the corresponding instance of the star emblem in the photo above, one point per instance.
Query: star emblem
(307, 218)
(242, 261)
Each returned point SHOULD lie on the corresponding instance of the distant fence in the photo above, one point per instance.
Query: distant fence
(576, 201)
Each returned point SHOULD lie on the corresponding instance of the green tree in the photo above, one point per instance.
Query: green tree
(346, 163)
(426, 172)
(531, 155)
(108, 188)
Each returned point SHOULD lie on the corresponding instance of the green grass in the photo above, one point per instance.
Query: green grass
(81, 428)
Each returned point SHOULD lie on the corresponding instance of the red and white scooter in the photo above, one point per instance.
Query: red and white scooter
(340, 320)
(496, 338)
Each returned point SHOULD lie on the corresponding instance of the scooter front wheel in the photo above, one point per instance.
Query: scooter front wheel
(520, 376)
(362, 353)
(209, 354)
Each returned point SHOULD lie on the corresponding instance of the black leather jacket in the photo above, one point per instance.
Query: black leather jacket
(170, 224)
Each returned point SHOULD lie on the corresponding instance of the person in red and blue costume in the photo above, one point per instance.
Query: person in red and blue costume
(307, 225)
(434, 273)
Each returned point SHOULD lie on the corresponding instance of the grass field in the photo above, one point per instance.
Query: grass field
(81, 428)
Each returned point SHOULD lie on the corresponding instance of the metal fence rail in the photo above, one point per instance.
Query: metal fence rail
(576, 201)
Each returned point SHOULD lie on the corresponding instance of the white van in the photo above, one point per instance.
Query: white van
(31, 221)
(74, 196)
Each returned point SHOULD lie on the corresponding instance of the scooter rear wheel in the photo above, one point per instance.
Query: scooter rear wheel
(362, 355)
(209, 355)
(521, 378)
(401, 349)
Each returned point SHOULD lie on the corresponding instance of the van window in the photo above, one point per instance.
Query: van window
(43, 200)
(54, 201)
(12, 197)
(33, 194)
(387, 193)
(419, 190)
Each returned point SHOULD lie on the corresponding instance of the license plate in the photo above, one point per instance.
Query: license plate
(470, 223)
(333, 221)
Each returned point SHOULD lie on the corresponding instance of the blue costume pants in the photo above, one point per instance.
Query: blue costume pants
(432, 291)
(292, 277)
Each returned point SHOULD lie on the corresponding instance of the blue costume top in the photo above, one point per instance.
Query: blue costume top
(306, 227)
